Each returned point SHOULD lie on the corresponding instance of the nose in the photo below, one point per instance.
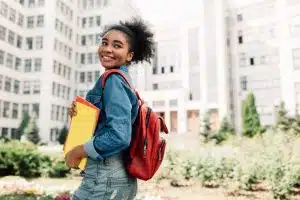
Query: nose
(107, 49)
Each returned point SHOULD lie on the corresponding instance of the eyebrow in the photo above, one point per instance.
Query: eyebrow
(115, 41)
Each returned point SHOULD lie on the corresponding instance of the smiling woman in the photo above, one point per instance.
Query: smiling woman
(105, 176)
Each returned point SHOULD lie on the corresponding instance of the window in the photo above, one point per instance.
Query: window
(20, 20)
(69, 73)
(90, 58)
(242, 59)
(82, 77)
(240, 37)
(89, 77)
(83, 40)
(28, 64)
(37, 64)
(29, 43)
(1, 79)
(30, 22)
(155, 86)
(36, 109)
(2, 32)
(4, 9)
(40, 21)
(97, 39)
(16, 86)
(4, 132)
(171, 69)
(7, 84)
(97, 75)
(18, 63)
(162, 70)
(296, 58)
(1, 57)
(6, 106)
(9, 60)
(154, 70)
(26, 87)
(36, 87)
(12, 15)
(15, 109)
(239, 17)
(19, 41)
(39, 42)
(83, 22)
(82, 58)
(243, 81)
(53, 88)
(98, 20)
(91, 21)
(252, 61)
(190, 96)
(25, 108)
(11, 37)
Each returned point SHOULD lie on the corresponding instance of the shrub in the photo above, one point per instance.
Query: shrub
(23, 159)
(59, 169)
(250, 117)
(270, 161)
(62, 135)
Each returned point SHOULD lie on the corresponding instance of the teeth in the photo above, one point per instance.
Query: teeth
(107, 58)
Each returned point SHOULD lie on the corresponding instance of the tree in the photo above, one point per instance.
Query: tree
(205, 129)
(251, 120)
(31, 132)
(224, 132)
(23, 125)
(62, 135)
(283, 122)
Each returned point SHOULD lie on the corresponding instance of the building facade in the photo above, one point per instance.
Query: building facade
(210, 62)
(48, 55)
(207, 63)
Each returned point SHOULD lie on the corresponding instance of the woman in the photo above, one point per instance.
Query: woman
(105, 176)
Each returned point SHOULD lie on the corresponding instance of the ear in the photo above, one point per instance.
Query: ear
(129, 56)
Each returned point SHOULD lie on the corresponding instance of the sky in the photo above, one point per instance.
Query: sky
(158, 11)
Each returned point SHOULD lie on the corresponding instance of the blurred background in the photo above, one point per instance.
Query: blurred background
(222, 68)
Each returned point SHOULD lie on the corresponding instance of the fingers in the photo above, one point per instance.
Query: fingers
(72, 110)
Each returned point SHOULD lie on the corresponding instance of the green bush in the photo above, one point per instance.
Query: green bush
(25, 197)
(23, 159)
(59, 170)
(271, 160)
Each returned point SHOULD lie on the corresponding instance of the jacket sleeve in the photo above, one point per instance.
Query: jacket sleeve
(116, 134)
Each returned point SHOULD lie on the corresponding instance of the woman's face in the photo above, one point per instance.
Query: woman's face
(114, 50)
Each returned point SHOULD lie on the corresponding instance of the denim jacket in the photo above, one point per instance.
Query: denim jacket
(119, 108)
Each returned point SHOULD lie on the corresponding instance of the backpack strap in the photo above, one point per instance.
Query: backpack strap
(115, 71)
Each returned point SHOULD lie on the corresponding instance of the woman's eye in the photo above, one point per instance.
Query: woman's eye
(104, 43)
(117, 46)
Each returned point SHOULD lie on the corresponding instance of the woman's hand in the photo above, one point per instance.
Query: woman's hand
(74, 156)
(72, 110)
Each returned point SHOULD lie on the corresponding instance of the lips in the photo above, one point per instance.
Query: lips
(107, 58)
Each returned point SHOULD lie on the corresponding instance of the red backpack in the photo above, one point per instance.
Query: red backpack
(147, 148)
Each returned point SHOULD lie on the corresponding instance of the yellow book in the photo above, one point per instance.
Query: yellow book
(82, 126)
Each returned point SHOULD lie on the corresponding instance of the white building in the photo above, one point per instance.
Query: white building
(208, 62)
(43, 46)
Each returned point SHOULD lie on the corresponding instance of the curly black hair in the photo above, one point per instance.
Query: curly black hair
(140, 38)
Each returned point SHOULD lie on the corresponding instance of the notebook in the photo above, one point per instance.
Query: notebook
(82, 127)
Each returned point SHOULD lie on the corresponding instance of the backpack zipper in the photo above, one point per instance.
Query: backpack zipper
(160, 148)
(145, 147)
(148, 116)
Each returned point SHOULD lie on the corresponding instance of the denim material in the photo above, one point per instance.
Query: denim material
(106, 179)
(119, 109)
